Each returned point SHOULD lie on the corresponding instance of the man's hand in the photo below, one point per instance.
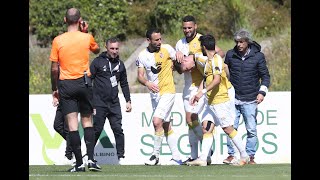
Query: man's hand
(55, 96)
(128, 107)
(84, 26)
(260, 98)
(179, 56)
(152, 87)
(194, 100)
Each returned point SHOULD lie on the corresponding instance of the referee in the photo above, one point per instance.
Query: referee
(71, 51)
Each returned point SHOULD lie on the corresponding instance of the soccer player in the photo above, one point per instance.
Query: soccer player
(156, 62)
(218, 109)
(190, 44)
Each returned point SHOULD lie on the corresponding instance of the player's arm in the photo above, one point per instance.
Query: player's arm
(226, 69)
(219, 51)
(215, 82)
(179, 54)
(142, 80)
(199, 94)
(54, 75)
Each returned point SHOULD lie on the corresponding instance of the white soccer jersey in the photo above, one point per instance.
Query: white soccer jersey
(158, 66)
(193, 78)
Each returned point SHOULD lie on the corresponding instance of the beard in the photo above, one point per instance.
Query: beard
(191, 34)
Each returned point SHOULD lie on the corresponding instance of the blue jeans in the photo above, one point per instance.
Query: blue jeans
(249, 114)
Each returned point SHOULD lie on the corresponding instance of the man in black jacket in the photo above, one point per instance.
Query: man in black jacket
(107, 70)
(250, 77)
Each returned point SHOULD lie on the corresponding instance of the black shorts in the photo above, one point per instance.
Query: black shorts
(75, 96)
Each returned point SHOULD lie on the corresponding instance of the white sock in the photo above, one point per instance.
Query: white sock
(237, 141)
(209, 154)
(173, 144)
(206, 145)
(158, 137)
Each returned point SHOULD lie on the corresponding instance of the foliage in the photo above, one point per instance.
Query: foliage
(267, 19)
(39, 65)
(168, 14)
(105, 17)
(46, 18)
(271, 19)
(39, 71)
(140, 17)
(279, 62)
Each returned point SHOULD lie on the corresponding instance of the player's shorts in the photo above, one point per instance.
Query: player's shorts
(232, 94)
(206, 114)
(220, 114)
(186, 101)
(75, 96)
(162, 106)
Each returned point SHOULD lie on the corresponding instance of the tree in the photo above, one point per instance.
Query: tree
(106, 18)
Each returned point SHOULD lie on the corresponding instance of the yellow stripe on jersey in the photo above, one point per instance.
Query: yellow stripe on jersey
(228, 83)
(165, 76)
(194, 47)
(200, 61)
(218, 94)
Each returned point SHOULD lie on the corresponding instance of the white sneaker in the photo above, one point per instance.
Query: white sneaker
(81, 168)
(174, 162)
(197, 162)
(152, 161)
(121, 161)
(241, 162)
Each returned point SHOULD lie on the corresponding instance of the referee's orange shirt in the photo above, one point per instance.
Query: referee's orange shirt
(71, 50)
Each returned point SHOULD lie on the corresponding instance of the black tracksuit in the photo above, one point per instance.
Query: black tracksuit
(61, 126)
(105, 97)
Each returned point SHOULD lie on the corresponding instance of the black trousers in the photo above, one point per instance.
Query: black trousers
(113, 113)
(60, 125)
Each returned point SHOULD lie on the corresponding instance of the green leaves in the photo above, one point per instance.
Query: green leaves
(106, 17)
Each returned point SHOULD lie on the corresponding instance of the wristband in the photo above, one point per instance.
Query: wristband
(263, 88)
(204, 91)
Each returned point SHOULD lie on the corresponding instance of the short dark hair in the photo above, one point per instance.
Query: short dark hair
(150, 31)
(112, 40)
(72, 16)
(189, 18)
(208, 41)
(177, 66)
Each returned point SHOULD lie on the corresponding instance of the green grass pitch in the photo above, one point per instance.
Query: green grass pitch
(142, 172)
